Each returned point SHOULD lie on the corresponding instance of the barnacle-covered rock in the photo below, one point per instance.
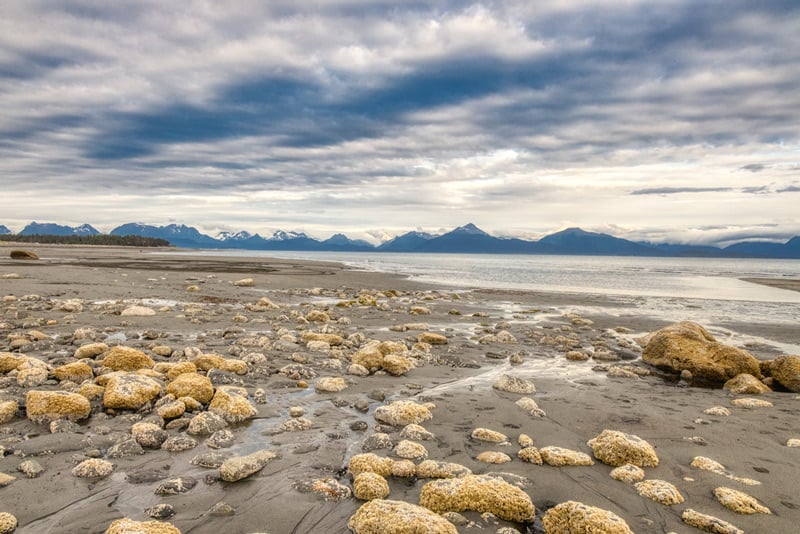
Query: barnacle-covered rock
(739, 502)
(559, 456)
(575, 517)
(368, 486)
(480, 493)
(660, 491)
(402, 413)
(616, 448)
(381, 516)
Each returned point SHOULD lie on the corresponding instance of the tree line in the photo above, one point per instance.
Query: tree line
(101, 239)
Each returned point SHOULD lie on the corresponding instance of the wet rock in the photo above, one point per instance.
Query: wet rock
(221, 439)
(739, 502)
(240, 467)
(530, 406)
(6, 479)
(329, 384)
(160, 511)
(786, 370)
(616, 448)
(411, 450)
(746, 384)
(231, 403)
(572, 516)
(329, 489)
(493, 457)
(402, 413)
(689, 346)
(370, 463)
(205, 423)
(192, 385)
(368, 486)
(377, 441)
(178, 444)
(432, 338)
(530, 455)
(490, 436)
(221, 509)
(125, 448)
(90, 350)
(31, 372)
(75, 372)
(559, 456)
(397, 365)
(514, 384)
(628, 473)
(129, 526)
(416, 433)
(209, 460)
(660, 491)
(8, 523)
(30, 468)
(175, 486)
(22, 254)
(382, 516)
(8, 410)
(130, 391)
(480, 493)
(404, 469)
(708, 523)
(127, 359)
(438, 469)
(793, 442)
(149, 435)
(93, 468)
(42, 407)
(170, 409)
(297, 424)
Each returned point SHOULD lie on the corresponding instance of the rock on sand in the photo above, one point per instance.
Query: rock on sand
(129, 526)
(45, 406)
(574, 516)
(616, 448)
(237, 468)
(480, 493)
(396, 517)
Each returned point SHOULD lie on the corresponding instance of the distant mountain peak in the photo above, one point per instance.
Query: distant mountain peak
(470, 229)
(281, 235)
(234, 236)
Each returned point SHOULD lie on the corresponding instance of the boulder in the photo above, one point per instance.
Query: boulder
(576, 517)
(19, 254)
(687, 346)
(403, 412)
(8, 523)
(192, 385)
(127, 359)
(480, 493)
(75, 372)
(368, 486)
(45, 406)
(232, 404)
(559, 457)
(90, 350)
(149, 435)
(126, 391)
(739, 502)
(137, 311)
(628, 473)
(438, 469)
(660, 491)
(513, 384)
(432, 338)
(370, 463)
(239, 467)
(708, 523)
(745, 384)
(616, 448)
(129, 526)
(786, 370)
(381, 516)
(93, 468)
(8, 410)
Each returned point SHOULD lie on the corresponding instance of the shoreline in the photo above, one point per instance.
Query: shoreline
(779, 283)
(83, 290)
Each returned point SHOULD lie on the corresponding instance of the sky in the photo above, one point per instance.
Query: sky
(659, 120)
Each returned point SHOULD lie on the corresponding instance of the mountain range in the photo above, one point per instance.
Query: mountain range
(464, 239)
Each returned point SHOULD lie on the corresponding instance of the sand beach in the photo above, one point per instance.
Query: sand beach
(270, 376)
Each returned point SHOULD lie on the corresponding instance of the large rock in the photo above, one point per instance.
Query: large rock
(513, 384)
(708, 523)
(370, 463)
(126, 391)
(480, 493)
(396, 517)
(786, 370)
(616, 448)
(368, 486)
(75, 372)
(687, 346)
(660, 491)
(192, 385)
(127, 359)
(576, 517)
(402, 413)
(745, 384)
(235, 469)
(739, 502)
(232, 404)
(129, 526)
(8, 523)
(46, 406)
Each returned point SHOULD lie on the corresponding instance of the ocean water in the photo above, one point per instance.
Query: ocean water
(699, 289)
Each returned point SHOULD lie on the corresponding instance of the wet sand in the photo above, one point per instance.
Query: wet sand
(579, 398)
(780, 283)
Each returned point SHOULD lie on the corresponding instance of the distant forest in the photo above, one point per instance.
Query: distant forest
(102, 239)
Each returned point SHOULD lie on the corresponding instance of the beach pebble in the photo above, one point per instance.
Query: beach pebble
(231, 403)
(124, 449)
(209, 460)
(531, 455)
(8, 523)
(490, 436)
(205, 423)
(397, 365)
(616, 448)
(129, 526)
(397, 517)
(149, 435)
(745, 384)
(171, 409)
(751, 403)
(129, 391)
(192, 385)
(577, 356)
(708, 523)
(175, 486)
(719, 411)
(93, 468)
(42, 407)
(439, 469)
(368, 486)
(419, 310)
(524, 441)
(402, 413)
(628, 473)
(514, 384)
(221, 509)
(317, 316)
(493, 457)
(377, 441)
(221, 439)
(660, 491)
(739, 502)
(239, 467)
(411, 450)
(30, 468)
(160, 511)
(577, 517)
(370, 463)
(559, 456)
(90, 350)
(480, 493)
(6, 479)
(329, 384)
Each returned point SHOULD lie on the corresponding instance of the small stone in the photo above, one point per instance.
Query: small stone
(8, 523)
(751, 403)
(240, 467)
(616, 448)
(432, 338)
(124, 449)
(209, 460)
(708, 523)
(244, 282)
(90, 350)
(129, 391)
(175, 486)
(160, 511)
(330, 384)
(297, 424)
(524, 440)
(368, 486)
(719, 411)
(377, 441)
(746, 384)
(171, 410)
(221, 509)
(514, 384)
(531, 455)
(179, 443)
(372, 463)
(410, 450)
(127, 359)
(739, 502)
(402, 413)
(30, 468)
(558, 457)
(221, 439)
(6, 479)
(416, 433)
(205, 423)
(93, 468)
(75, 372)
(137, 311)
(8, 410)
(793, 442)
(660, 491)
(628, 473)
(493, 457)
(490, 436)
(330, 489)
(231, 403)
(404, 469)
(192, 385)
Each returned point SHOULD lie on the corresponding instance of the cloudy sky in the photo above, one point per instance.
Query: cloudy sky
(653, 119)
